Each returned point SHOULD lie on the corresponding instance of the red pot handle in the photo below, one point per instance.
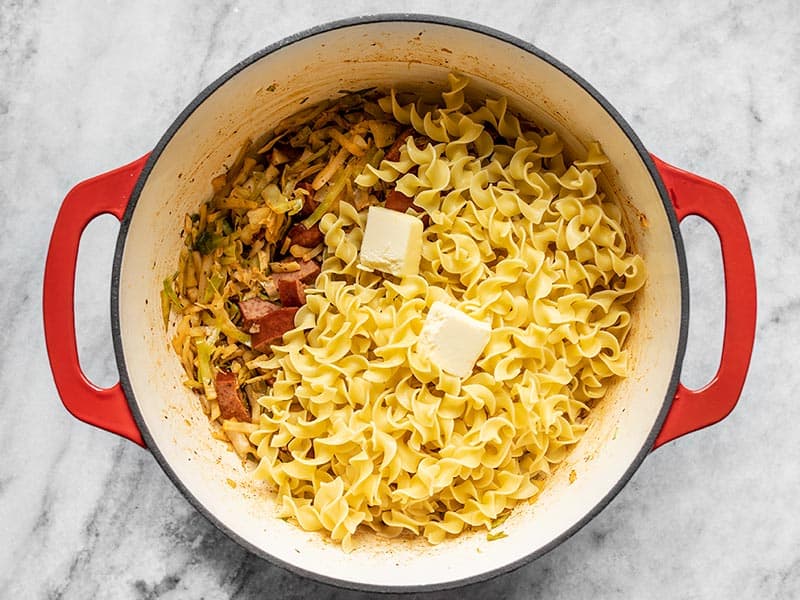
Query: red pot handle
(105, 194)
(694, 409)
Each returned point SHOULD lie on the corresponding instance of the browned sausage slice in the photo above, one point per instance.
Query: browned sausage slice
(253, 310)
(231, 405)
(291, 292)
(272, 327)
(393, 154)
(401, 203)
(397, 201)
(306, 236)
(309, 203)
(307, 274)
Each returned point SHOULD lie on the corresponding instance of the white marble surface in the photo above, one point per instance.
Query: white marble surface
(712, 87)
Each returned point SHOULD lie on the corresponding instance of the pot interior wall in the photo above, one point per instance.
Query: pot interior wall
(411, 55)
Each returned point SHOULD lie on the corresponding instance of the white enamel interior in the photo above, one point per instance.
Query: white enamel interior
(408, 55)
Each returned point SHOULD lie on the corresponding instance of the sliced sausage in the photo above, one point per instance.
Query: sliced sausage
(291, 292)
(306, 236)
(307, 274)
(401, 203)
(393, 153)
(272, 327)
(253, 310)
(306, 185)
(231, 405)
(309, 204)
(397, 201)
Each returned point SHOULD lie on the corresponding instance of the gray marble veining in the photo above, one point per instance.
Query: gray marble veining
(710, 86)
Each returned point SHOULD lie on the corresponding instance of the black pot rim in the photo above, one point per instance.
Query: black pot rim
(373, 19)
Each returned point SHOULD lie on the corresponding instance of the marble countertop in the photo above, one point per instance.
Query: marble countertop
(710, 86)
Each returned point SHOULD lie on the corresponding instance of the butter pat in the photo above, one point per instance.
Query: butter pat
(452, 340)
(392, 242)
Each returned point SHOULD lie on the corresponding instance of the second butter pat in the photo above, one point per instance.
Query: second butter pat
(453, 340)
(392, 242)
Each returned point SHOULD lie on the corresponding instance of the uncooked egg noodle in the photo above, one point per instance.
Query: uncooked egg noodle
(360, 429)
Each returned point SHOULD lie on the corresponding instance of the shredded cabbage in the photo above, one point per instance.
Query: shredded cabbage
(237, 239)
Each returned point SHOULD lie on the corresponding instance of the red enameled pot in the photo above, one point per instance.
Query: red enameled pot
(150, 196)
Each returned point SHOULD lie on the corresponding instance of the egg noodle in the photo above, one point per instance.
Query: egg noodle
(354, 427)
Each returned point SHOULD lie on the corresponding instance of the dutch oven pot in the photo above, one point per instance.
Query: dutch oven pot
(151, 407)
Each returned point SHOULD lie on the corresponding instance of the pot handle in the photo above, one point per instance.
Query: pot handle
(694, 409)
(105, 194)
